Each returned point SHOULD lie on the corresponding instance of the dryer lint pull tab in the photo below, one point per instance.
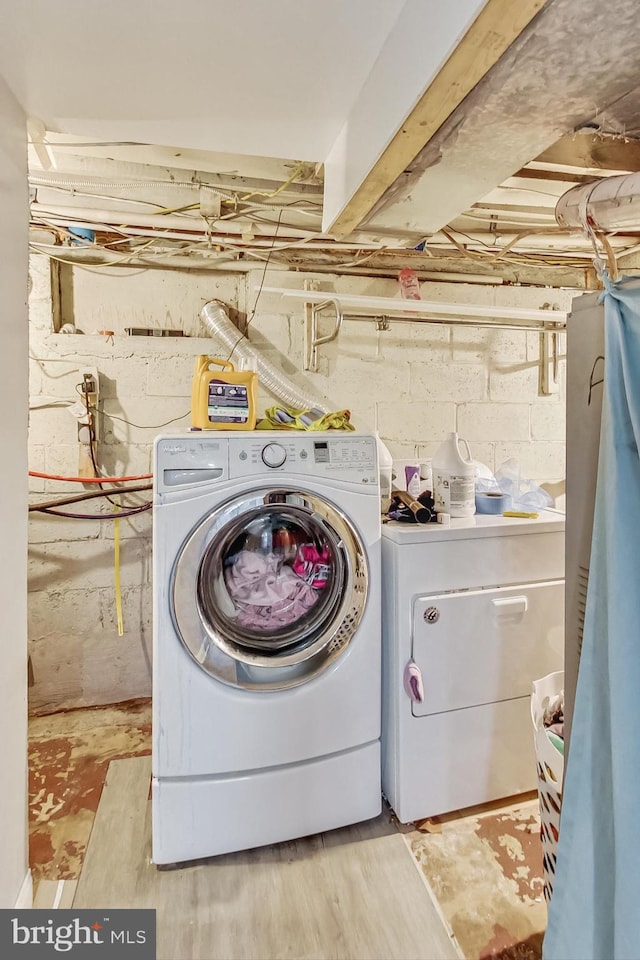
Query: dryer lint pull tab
(413, 685)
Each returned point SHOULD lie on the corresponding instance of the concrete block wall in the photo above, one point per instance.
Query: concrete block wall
(76, 654)
(413, 382)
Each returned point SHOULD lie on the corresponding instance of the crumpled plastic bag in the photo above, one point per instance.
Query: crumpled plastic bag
(525, 494)
(485, 480)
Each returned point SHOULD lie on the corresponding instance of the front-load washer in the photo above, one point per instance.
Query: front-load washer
(267, 660)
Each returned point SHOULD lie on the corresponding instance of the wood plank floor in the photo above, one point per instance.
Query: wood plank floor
(54, 894)
(351, 894)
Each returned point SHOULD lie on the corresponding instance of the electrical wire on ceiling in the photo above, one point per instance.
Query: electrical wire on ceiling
(77, 183)
(255, 303)
(242, 210)
(518, 258)
(74, 192)
(274, 193)
(259, 207)
(502, 251)
(74, 263)
(82, 187)
(233, 241)
(232, 247)
(224, 240)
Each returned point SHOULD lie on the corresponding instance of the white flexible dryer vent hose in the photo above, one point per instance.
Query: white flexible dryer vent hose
(216, 320)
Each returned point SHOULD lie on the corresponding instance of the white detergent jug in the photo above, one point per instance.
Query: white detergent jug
(454, 479)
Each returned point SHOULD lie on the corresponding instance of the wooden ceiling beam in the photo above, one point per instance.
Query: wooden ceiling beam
(547, 82)
(553, 175)
(498, 24)
(595, 151)
(439, 264)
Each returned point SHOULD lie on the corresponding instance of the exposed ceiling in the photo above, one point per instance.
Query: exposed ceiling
(556, 105)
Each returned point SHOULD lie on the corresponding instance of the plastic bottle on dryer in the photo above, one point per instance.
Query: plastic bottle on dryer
(454, 479)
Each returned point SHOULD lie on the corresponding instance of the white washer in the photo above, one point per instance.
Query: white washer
(266, 679)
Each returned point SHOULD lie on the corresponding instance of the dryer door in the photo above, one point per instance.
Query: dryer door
(269, 589)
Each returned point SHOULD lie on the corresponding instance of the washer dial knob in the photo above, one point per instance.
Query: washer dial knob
(274, 455)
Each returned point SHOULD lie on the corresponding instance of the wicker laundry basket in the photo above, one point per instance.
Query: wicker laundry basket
(550, 765)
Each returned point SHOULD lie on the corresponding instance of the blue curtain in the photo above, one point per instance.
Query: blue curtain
(595, 910)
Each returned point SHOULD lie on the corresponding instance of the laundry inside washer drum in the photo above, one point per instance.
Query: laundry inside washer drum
(272, 579)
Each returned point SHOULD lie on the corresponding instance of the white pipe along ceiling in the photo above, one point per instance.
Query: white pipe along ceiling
(612, 203)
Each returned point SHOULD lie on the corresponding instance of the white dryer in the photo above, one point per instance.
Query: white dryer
(266, 674)
(472, 614)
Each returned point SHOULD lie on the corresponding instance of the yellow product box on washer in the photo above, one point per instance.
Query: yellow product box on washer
(223, 399)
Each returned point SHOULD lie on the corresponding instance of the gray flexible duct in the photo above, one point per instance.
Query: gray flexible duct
(216, 320)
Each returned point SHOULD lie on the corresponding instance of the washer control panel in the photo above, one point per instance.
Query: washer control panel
(350, 457)
(202, 457)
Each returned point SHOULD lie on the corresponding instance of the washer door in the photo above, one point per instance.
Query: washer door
(269, 589)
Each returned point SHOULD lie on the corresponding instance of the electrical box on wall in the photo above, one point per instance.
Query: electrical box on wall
(84, 410)
(86, 413)
(88, 388)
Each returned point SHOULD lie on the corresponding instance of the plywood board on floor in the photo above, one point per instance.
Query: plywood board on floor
(351, 894)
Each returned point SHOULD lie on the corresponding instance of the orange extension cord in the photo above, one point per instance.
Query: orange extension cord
(55, 476)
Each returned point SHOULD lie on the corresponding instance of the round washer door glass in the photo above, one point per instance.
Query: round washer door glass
(269, 588)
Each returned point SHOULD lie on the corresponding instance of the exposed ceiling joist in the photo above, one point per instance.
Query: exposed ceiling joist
(553, 175)
(444, 264)
(594, 151)
(542, 211)
(498, 24)
(170, 159)
(439, 265)
(546, 84)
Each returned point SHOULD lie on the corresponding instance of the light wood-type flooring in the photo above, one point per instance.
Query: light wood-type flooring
(351, 894)
(483, 866)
